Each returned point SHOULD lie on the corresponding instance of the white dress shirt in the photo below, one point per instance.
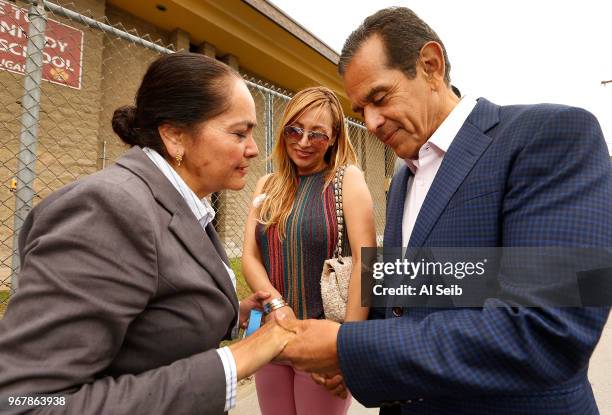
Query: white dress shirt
(425, 167)
(204, 213)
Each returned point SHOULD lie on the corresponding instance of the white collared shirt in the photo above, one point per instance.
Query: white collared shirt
(426, 166)
(204, 214)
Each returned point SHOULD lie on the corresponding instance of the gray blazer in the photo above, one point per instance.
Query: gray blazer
(123, 299)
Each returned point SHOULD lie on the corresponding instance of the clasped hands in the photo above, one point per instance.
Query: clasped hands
(313, 349)
(310, 345)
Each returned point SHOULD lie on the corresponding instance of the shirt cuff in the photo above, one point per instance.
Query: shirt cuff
(231, 380)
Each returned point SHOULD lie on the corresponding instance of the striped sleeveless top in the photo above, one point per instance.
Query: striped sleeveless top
(294, 264)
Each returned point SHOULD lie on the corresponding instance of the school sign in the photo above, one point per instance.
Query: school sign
(62, 54)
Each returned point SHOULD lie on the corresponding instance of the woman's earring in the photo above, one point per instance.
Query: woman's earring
(179, 159)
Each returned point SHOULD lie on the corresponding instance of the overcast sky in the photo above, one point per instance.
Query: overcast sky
(516, 52)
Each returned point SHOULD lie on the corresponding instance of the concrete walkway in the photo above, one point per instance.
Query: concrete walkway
(600, 371)
(599, 375)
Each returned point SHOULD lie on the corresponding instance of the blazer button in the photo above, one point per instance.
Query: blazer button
(397, 311)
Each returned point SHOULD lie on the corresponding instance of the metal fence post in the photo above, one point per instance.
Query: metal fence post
(269, 120)
(26, 172)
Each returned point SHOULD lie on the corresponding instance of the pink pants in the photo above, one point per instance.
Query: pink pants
(282, 390)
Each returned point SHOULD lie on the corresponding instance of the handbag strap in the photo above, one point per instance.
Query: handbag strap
(338, 180)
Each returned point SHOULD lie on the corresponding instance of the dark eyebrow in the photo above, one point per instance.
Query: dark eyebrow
(247, 124)
(369, 97)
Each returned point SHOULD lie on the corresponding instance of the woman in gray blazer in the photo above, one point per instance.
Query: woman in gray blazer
(125, 289)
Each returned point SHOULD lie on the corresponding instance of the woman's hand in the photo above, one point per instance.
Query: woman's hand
(259, 348)
(255, 300)
(286, 311)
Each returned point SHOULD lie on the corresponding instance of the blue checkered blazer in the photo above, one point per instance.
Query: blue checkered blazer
(537, 175)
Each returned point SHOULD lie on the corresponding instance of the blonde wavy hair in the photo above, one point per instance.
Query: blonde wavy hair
(281, 186)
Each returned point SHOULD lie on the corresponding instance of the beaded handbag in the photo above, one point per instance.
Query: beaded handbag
(336, 270)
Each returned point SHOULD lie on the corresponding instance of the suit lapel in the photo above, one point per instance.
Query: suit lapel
(465, 150)
(395, 208)
(214, 238)
(204, 247)
(216, 242)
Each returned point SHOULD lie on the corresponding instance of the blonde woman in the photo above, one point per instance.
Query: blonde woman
(292, 228)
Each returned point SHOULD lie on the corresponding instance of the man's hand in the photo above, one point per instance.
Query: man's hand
(255, 300)
(314, 349)
(334, 384)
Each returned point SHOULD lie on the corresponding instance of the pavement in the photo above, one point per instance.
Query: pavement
(599, 371)
(599, 375)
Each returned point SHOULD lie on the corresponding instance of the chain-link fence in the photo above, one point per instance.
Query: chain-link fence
(63, 71)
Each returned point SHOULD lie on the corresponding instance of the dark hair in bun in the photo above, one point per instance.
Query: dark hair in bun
(123, 124)
(182, 89)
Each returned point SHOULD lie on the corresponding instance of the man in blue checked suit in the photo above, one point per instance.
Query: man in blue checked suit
(476, 175)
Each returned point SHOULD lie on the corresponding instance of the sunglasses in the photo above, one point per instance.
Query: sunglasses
(295, 134)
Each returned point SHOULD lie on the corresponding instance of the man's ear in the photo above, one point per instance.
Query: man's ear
(172, 138)
(431, 58)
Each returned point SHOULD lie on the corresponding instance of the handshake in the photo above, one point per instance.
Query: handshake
(309, 345)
